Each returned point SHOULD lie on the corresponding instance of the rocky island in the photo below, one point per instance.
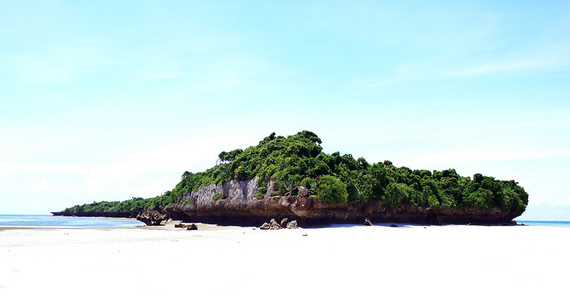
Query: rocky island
(291, 177)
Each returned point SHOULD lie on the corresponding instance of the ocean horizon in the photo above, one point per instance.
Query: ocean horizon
(50, 221)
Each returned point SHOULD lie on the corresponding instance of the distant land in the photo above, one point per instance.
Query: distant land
(291, 177)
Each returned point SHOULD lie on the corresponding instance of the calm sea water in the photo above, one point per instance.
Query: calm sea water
(545, 223)
(48, 221)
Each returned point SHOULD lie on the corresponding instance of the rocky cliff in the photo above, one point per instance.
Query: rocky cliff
(237, 203)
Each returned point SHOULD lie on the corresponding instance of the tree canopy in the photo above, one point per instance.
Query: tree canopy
(299, 160)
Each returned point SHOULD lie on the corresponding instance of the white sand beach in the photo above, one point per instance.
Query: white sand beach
(357, 260)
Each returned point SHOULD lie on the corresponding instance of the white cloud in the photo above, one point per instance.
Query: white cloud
(485, 155)
(54, 65)
(490, 68)
(145, 172)
(470, 63)
(38, 185)
(162, 70)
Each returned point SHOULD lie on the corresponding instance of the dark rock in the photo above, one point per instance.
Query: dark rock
(283, 223)
(367, 222)
(192, 227)
(180, 225)
(152, 218)
(393, 225)
(292, 225)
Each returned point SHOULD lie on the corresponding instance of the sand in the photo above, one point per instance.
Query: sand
(351, 260)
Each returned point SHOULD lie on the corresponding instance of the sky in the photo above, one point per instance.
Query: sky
(108, 100)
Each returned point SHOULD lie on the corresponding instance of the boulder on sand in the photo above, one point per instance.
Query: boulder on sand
(152, 218)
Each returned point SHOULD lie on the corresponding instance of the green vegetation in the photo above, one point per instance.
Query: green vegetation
(298, 160)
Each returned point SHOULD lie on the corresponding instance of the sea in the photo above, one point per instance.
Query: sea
(49, 221)
(545, 223)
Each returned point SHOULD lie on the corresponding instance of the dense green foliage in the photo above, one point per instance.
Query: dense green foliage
(298, 160)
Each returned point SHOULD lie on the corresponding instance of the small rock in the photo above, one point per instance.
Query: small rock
(367, 222)
(192, 227)
(393, 225)
(265, 226)
(304, 234)
(292, 225)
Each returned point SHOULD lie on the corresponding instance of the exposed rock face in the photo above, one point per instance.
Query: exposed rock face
(239, 205)
(152, 218)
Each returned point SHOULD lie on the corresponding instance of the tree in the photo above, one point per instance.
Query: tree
(310, 136)
(331, 190)
(229, 156)
(480, 199)
(299, 160)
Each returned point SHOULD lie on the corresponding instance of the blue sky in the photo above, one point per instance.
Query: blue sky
(105, 100)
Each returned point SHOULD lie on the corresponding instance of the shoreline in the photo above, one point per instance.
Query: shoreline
(169, 225)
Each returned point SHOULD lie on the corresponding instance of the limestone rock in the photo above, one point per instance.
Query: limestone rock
(241, 203)
(274, 225)
(292, 225)
(152, 218)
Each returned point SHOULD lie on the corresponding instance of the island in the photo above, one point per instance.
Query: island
(291, 177)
